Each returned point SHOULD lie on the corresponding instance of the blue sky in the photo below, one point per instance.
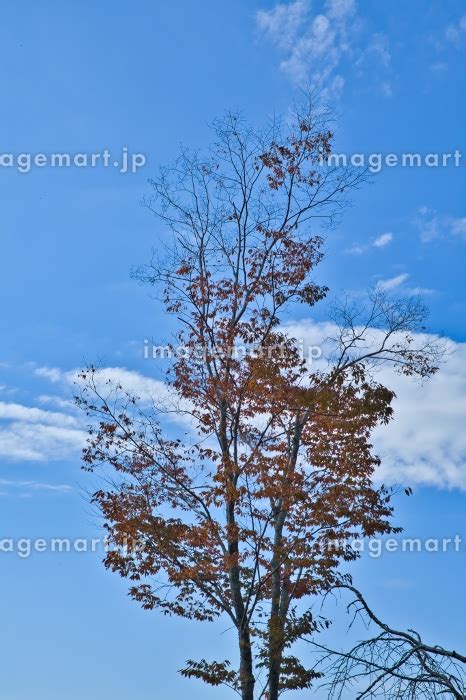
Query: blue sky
(82, 77)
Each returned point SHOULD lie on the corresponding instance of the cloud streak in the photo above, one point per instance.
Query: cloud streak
(26, 414)
(380, 242)
(38, 442)
(431, 225)
(29, 486)
(315, 46)
(456, 32)
(383, 240)
(393, 282)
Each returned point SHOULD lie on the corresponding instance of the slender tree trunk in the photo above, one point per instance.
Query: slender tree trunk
(276, 622)
(245, 650)
(246, 667)
(244, 638)
(280, 599)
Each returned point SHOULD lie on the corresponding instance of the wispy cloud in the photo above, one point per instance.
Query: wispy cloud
(383, 240)
(283, 22)
(29, 433)
(458, 227)
(145, 388)
(380, 242)
(51, 373)
(57, 401)
(149, 391)
(456, 32)
(439, 67)
(315, 45)
(22, 441)
(386, 88)
(28, 414)
(393, 282)
(28, 486)
(432, 225)
(422, 291)
(357, 249)
(379, 46)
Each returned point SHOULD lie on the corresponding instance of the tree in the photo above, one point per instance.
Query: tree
(250, 517)
(393, 663)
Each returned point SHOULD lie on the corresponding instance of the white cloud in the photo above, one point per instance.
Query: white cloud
(393, 282)
(379, 46)
(427, 223)
(282, 23)
(357, 249)
(386, 88)
(422, 291)
(380, 242)
(56, 401)
(456, 33)
(458, 227)
(383, 240)
(439, 67)
(52, 373)
(432, 225)
(425, 443)
(29, 485)
(146, 389)
(38, 442)
(132, 381)
(340, 9)
(33, 434)
(313, 45)
(26, 414)
(29, 433)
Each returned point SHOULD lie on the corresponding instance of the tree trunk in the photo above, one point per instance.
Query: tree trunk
(280, 598)
(246, 670)
(276, 622)
(247, 679)
(245, 651)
